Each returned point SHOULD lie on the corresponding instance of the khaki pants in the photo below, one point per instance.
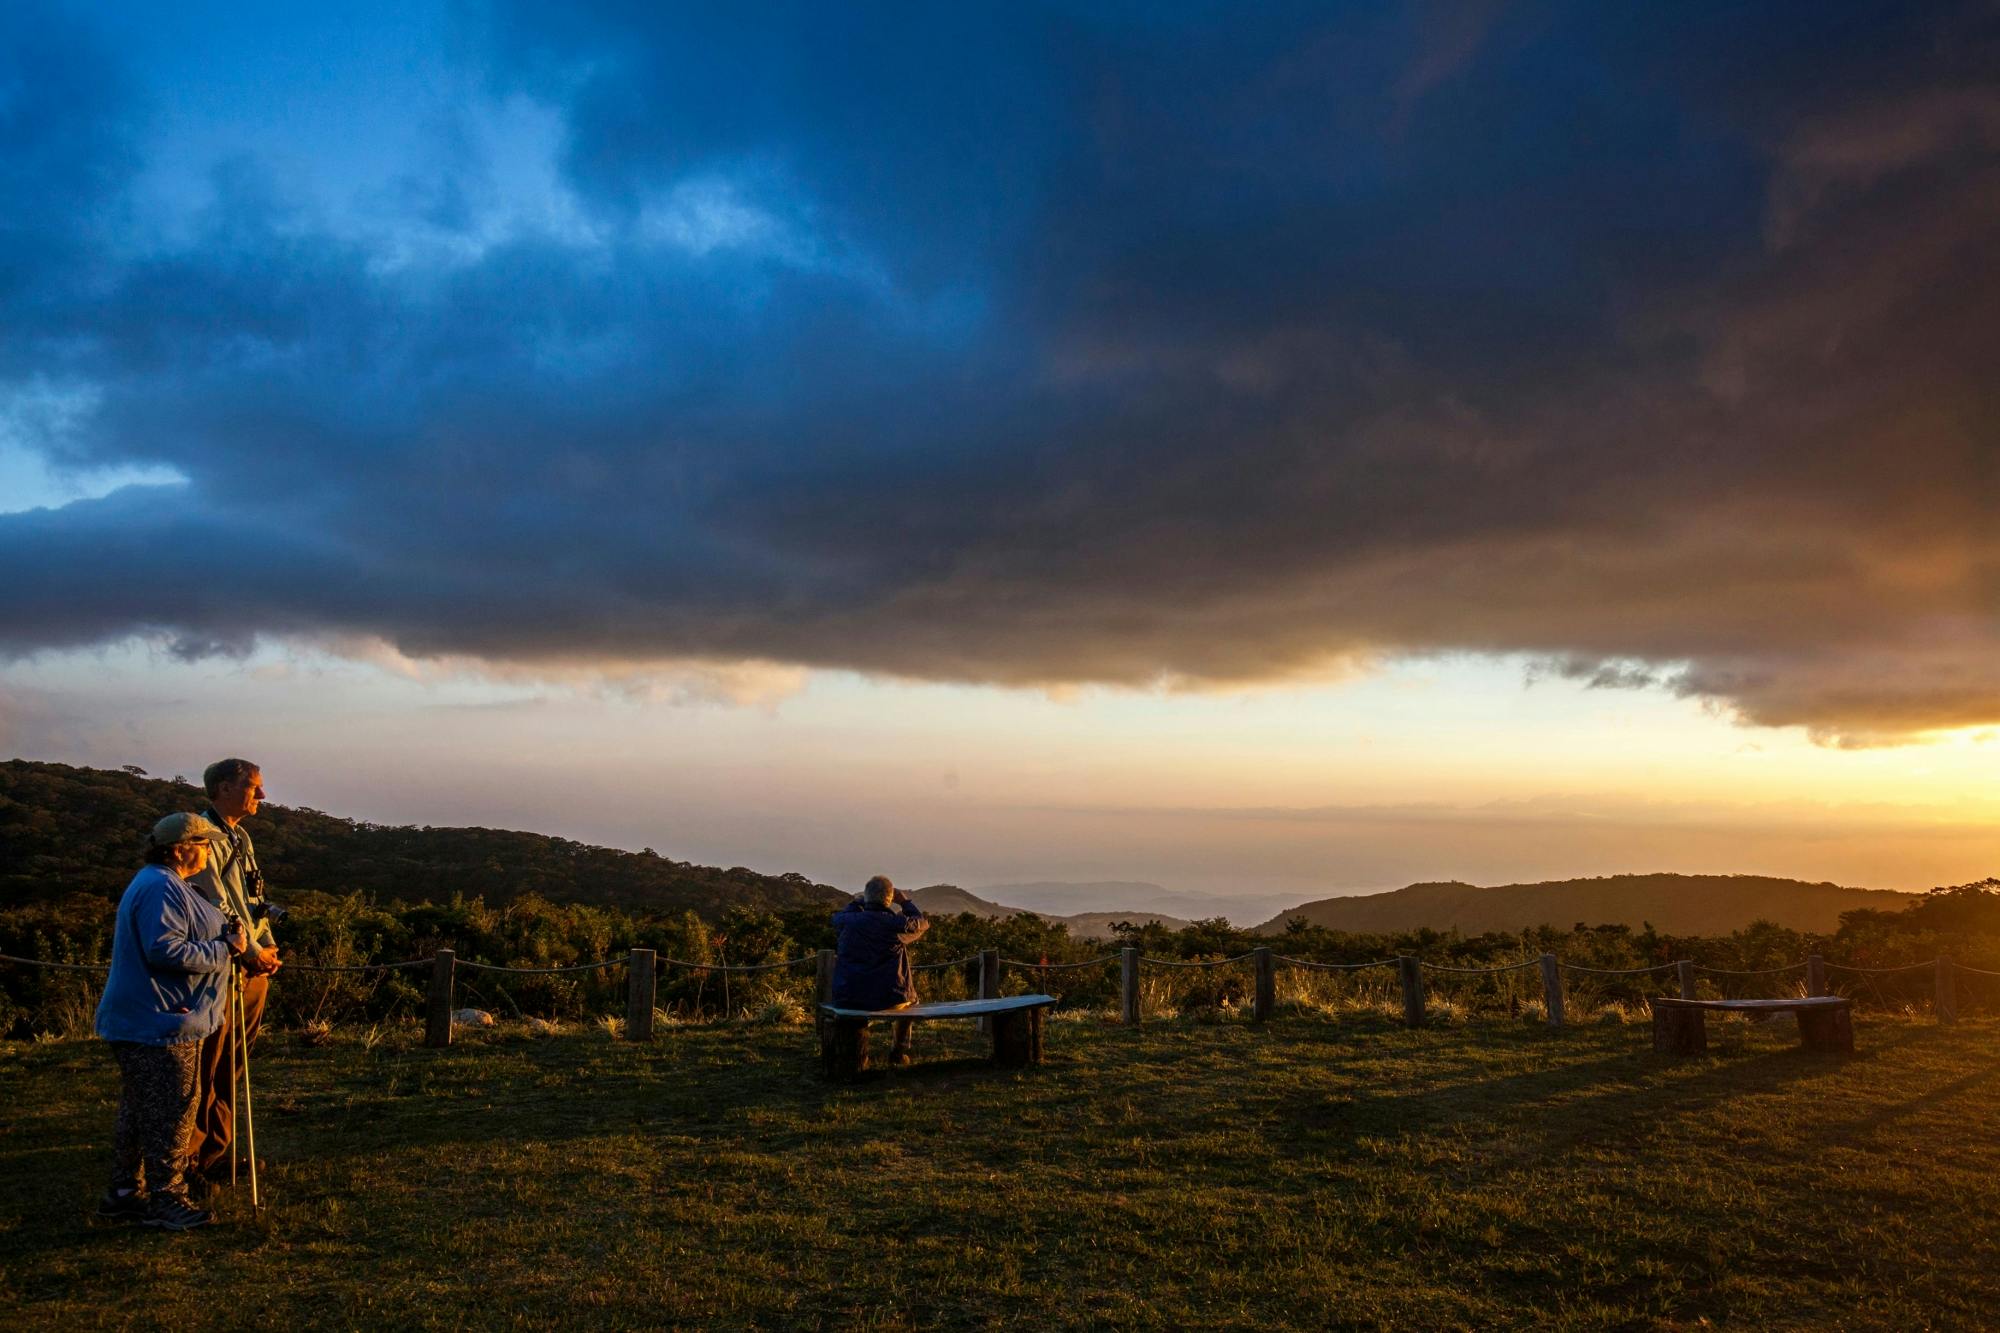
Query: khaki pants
(212, 1108)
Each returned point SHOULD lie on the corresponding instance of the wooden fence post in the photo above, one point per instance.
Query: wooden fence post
(1267, 985)
(1128, 960)
(1552, 989)
(822, 990)
(989, 982)
(1686, 969)
(1947, 989)
(639, 991)
(1815, 975)
(1413, 990)
(437, 1025)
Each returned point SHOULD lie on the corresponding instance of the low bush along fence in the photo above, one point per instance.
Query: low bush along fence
(641, 990)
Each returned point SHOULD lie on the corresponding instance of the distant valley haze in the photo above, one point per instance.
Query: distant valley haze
(1125, 896)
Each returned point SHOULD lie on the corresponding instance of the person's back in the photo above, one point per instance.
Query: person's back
(872, 962)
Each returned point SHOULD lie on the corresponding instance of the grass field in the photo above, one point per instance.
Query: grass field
(1309, 1174)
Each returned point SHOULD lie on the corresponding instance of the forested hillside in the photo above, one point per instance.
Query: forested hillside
(67, 830)
(1675, 904)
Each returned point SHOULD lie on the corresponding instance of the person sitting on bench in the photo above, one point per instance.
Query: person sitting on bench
(871, 968)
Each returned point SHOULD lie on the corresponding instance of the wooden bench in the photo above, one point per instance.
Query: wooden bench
(1017, 1029)
(1826, 1022)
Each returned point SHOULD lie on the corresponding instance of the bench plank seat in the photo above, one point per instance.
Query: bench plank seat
(1757, 1006)
(1016, 1023)
(1826, 1022)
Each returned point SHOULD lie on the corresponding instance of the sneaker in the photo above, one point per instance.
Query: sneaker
(172, 1213)
(899, 1060)
(116, 1207)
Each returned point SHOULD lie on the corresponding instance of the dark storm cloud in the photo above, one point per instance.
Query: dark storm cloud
(1039, 346)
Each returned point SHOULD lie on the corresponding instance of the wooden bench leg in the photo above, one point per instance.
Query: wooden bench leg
(1011, 1041)
(1679, 1031)
(1827, 1030)
(844, 1048)
(1017, 1038)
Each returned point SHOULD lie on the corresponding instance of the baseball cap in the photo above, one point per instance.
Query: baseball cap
(185, 828)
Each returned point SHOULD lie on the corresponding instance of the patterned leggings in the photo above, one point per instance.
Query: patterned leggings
(155, 1114)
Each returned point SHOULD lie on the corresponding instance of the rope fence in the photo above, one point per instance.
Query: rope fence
(1758, 972)
(56, 967)
(643, 969)
(966, 961)
(357, 967)
(1495, 971)
(543, 971)
(739, 969)
(1619, 971)
(1197, 962)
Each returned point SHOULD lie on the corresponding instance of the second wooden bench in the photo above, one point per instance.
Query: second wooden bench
(1826, 1022)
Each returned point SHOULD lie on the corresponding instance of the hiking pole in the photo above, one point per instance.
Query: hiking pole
(249, 1116)
(229, 1054)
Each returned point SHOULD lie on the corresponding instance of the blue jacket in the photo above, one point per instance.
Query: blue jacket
(168, 964)
(871, 968)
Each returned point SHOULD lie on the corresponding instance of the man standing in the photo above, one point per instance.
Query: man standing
(233, 883)
(871, 969)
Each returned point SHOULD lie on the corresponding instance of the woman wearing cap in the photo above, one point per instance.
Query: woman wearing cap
(169, 967)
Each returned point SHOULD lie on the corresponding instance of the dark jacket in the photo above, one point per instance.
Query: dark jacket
(871, 969)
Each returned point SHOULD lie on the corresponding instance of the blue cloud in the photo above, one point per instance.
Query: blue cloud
(1044, 344)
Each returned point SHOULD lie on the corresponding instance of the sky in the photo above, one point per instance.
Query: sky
(1270, 452)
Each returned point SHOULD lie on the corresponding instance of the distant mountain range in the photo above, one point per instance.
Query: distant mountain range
(948, 899)
(1674, 904)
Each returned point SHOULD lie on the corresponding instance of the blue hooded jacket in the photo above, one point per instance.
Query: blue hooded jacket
(168, 964)
(871, 968)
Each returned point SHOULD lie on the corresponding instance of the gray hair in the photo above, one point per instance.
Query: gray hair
(877, 891)
(225, 771)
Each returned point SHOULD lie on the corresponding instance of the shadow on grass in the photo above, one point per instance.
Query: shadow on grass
(945, 1072)
(555, 1091)
(1857, 1132)
(1545, 1110)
